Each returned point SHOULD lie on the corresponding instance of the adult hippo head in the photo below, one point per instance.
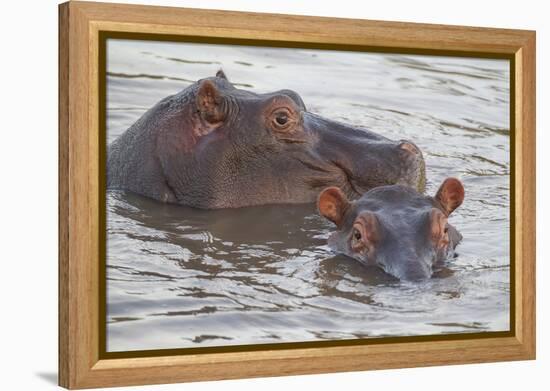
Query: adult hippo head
(395, 227)
(215, 146)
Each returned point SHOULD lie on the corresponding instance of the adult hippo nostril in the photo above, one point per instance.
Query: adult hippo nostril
(409, 148)
(216, 146)
(371, 164)
(413, 166)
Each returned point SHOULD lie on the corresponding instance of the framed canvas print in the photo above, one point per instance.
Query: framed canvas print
(248, 195)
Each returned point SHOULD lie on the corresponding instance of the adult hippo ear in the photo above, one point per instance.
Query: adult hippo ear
(450, 195)
(333, 205)
(210, 103)
(221, 75)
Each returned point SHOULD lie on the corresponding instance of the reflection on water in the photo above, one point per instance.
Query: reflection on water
(180, 277)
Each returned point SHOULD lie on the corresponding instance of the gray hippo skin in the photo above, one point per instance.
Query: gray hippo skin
(215, 146)
(394, 227)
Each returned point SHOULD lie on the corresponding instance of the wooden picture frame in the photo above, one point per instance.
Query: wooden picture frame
(81, 25)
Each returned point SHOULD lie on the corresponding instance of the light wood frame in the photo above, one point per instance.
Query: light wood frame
(80, 24)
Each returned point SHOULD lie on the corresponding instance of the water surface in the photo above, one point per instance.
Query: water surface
(180, 277)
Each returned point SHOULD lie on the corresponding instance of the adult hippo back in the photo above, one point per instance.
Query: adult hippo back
(215, 146)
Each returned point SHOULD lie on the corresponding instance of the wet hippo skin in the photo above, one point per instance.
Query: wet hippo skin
(395, 227)
(215, 146)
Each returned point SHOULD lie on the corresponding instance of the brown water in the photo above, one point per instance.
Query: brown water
(179, 277)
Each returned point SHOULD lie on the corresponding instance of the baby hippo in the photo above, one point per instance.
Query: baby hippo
(394, 227)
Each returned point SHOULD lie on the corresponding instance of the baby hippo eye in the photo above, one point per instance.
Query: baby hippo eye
(356, 240)
(357, 243)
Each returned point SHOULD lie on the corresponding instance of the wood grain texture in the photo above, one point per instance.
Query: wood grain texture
(292, 28)
(526, 162)
(79, 27)
(63, 200)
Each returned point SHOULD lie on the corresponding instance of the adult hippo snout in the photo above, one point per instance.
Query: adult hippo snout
(215, 146)
(364, 159)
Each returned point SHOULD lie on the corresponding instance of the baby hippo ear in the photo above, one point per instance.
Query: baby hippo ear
(450, 194)
(210, 102)
(333, 204)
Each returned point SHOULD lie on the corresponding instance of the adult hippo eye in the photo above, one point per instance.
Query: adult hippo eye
(281, 119)
(356, 235)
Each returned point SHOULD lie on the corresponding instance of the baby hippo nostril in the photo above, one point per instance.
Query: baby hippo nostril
(409, 148)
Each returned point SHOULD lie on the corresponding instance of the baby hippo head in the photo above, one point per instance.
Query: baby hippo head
(394, 227)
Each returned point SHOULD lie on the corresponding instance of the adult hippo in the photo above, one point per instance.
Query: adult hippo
(395, 227)
(215, 146)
